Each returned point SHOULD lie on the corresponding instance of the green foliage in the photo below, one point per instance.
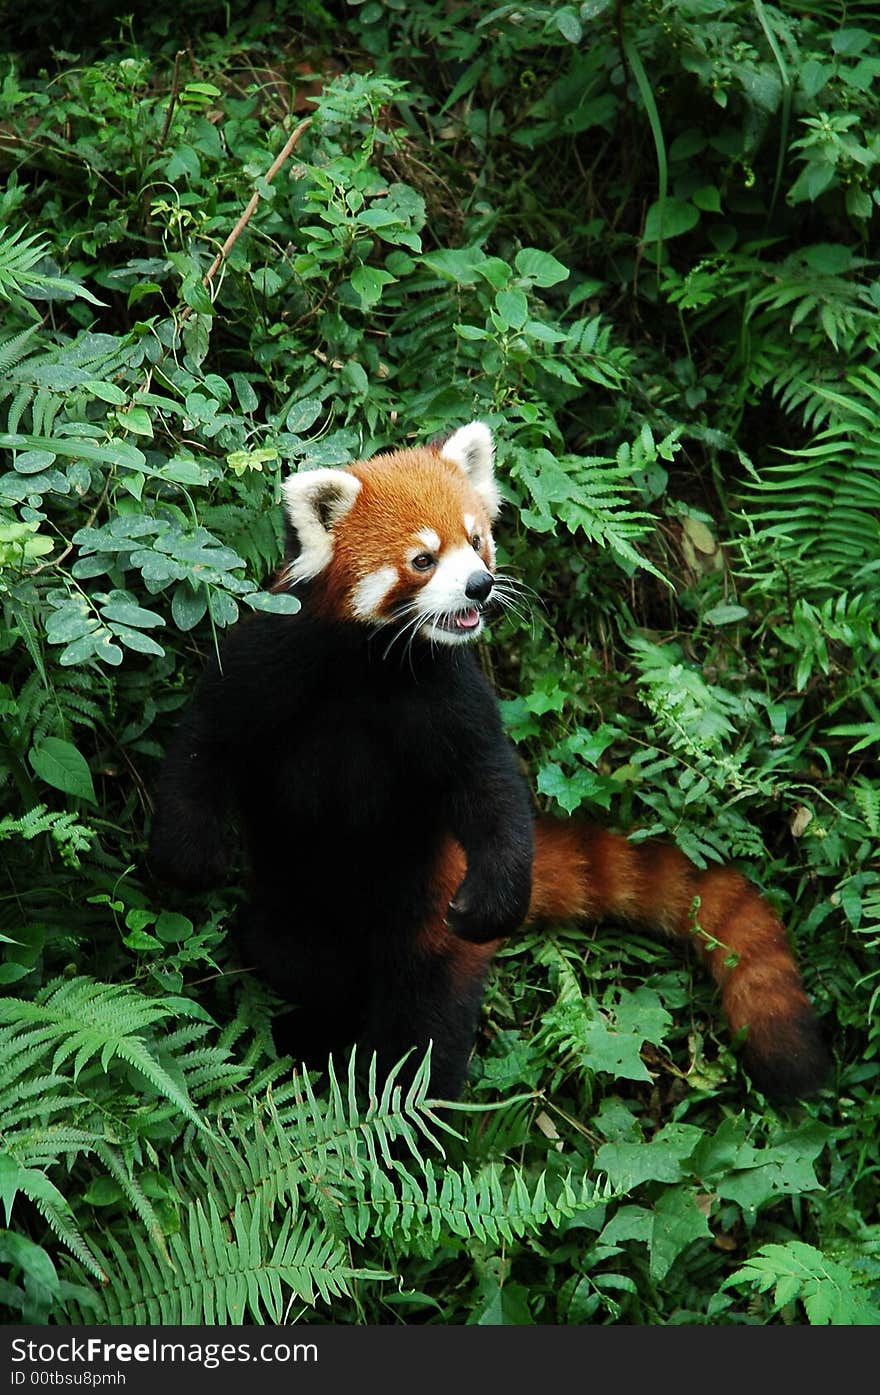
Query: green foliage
(292, 1187)
(637, 241)
(830, 1292)
(70, 837)
(20, 278)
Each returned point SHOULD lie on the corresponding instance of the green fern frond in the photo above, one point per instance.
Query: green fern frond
(44, 1095)
(494, 1206)
(867, 797)
(225, 1271)
(131, 1189)
(590, 494)
(70, 700)
(19, 258)
(269, 1209)
(14, 348)
(831, 1291)
(257, 536)
(61, 379)
(340, 1127)
(32, 1182)
(822, 505)
(90, 1019)
(310, 1149)
(62, 1053)
(69, 836)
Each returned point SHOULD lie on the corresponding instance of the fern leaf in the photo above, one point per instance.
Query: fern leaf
(115, 1015)
(52, 1206)
(14, 348)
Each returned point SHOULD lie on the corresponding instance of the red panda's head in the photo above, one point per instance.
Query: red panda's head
(401, 540)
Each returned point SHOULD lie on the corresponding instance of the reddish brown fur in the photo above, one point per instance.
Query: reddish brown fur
(465, 961)
(583, 872)
(560, 873)
(401, 493)
(586, 873)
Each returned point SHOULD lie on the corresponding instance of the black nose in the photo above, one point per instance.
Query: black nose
(478, 586)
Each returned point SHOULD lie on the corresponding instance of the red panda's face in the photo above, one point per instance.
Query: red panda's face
(403, 540)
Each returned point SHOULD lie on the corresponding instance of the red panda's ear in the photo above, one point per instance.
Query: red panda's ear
(315, 502)
(473, 450)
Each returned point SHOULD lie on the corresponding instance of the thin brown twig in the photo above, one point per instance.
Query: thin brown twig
(62, 556)
(175, 88)
(313, 309)
(245, 218)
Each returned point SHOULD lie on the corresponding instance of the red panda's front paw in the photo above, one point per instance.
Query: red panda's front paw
(483, 917)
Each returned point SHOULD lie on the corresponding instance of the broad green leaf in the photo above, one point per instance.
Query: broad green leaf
(641, 1012)
(456, 264)
(568, 24)
(471, 332)
(183, 161)
(539, 267)
(108, 392)
(572, 790)
(19, 1250)
(61, 765)
(173, 928)
(607, 1049)
(80, 650)
(660, 1159)
(115, 452)
(513, 307)
(142, 289)
(103, 1191)
(496, 271)
(369, 282)
(677, 1222)
(707, 198)
(127, 613)
(31, 462)
(726, 614)
(188, 606)
(670, 218)
(137, 640)
(184, 471)
(828, 258)
(303, 414)
(275, 602)
(248, 398)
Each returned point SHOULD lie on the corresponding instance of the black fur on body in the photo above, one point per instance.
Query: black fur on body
(349, 774)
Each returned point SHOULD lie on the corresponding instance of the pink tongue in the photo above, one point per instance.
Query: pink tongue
(467, 619)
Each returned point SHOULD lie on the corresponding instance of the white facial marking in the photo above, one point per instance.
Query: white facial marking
(470, 524)
(444, 596)
(445, 590)
(369, 593)
(315, 502)
(473, 450)
(430, 539)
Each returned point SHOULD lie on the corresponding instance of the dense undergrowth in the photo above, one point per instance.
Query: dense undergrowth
(637, 240)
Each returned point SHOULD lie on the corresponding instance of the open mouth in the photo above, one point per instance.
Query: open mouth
(459, 622)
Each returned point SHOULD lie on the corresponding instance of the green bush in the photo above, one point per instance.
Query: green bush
(641, 252)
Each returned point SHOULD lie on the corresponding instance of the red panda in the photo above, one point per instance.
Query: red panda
(390, 831)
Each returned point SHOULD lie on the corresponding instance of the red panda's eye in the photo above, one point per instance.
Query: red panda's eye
(424, 561)
(476, 542)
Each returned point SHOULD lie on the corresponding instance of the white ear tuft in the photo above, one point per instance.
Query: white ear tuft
(473, 450)
(315, 502)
